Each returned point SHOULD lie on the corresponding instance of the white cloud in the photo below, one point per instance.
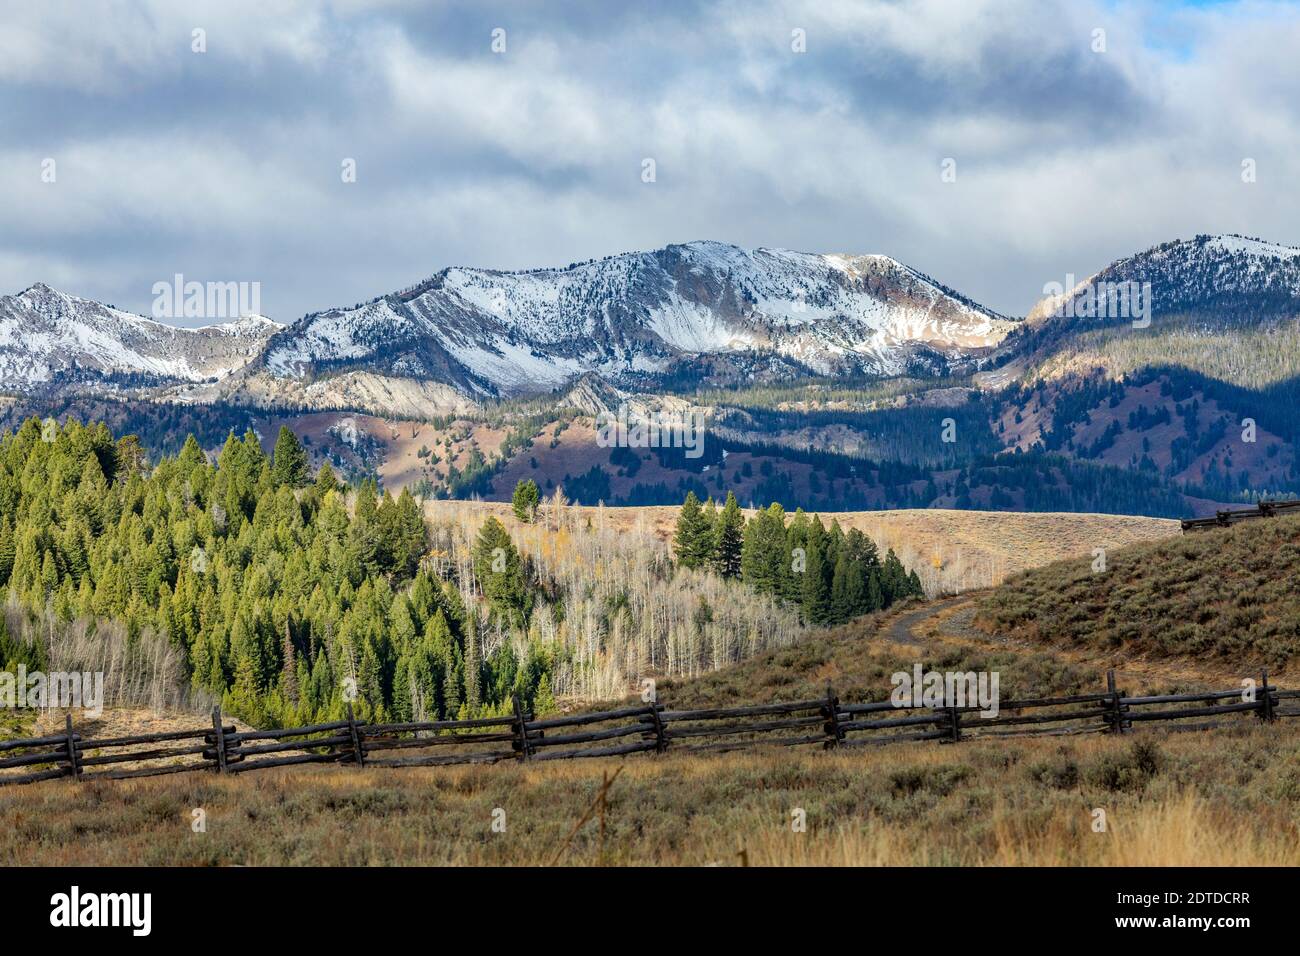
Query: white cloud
(229, 163)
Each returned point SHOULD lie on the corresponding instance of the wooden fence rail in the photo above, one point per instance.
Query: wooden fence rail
(1222, 519)
(649, 728)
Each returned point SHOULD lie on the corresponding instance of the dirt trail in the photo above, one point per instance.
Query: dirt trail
(902, 630)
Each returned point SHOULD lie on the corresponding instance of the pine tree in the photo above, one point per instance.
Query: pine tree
(288, 667)
(404, 684)
(191, 456)
(326, 480)
(692, 543)
(893, 579)
(525, 500)
(728, 539)
(914, 585)
(291, 465)
(499, 571)
(472, 667)
(7, 549)
(875, 595)
(815, 595)
(451, 697)
(711, 521)
(796, 554)
(848, 589)
(764, 558)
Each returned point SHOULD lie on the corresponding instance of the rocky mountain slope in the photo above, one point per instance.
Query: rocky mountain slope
(637, 317)
(702, 313)
(1231, 277)
(53, 341)
(1224, 305)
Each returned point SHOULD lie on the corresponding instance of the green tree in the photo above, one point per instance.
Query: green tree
(816, 600)
(525, 500)
(326, 481)
(290, 460)
(848, 589)
(728, 539)
(693, 540)
(7, 549)
(763, 555)
(499, 571)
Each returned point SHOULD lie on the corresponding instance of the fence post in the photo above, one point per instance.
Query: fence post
(358, 755)
(521, 730)
(1266, 706)
(831, 711)
(954, 721)
(73, 767)
(661, 739)
(219, 739)
(1116, 718)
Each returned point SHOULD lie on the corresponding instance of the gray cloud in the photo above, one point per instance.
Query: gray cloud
(225, 165)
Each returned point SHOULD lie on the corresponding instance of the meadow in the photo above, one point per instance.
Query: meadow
(1231, 797)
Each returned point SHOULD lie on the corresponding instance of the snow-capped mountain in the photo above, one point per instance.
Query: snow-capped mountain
(51, 341)
(1226, 279)
(699, 312)
(636, 317)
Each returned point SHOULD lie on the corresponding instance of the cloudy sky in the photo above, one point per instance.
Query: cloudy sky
(1071, 147)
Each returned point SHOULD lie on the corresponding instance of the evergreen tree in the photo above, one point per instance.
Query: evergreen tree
(692, 542)
(7, 550)
(525, 500)
(763, 555)
(893, 579)
(289, 667)
(875, 596)
(326, 481)
(499, 571)
(291, 464)
(473, 663)
(848, 589)
(815, 594)
(728, 539)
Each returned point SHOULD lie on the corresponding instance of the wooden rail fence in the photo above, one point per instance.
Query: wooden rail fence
(1222, 519)
(824, 722)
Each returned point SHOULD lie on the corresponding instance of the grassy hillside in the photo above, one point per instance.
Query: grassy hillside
(858, 661)
(1226, 594)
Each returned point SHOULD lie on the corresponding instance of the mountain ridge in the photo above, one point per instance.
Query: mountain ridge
(632, 316)
(685, 315)
(51, 338)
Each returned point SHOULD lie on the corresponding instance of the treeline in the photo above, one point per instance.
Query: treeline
(832, 577)
(285, 595)
(912, 434)
(1044, 482)
(161, 427)
(1275, 409)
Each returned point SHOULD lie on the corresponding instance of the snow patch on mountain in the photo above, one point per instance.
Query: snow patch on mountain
(48, 336)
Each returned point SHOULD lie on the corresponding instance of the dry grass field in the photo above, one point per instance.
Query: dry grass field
(1231, 798)
(952, 551)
